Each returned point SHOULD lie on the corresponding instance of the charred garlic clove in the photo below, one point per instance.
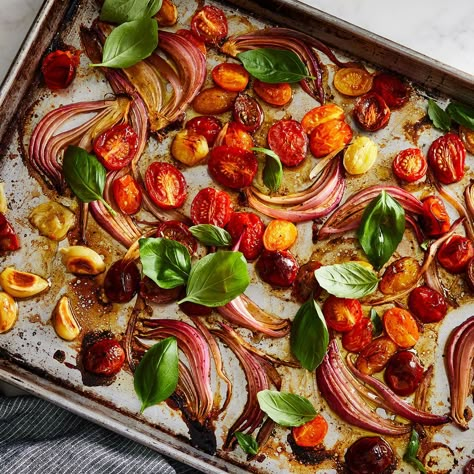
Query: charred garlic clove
(189, 148)
(64, 321)
(52, 220)
(22, 284)
(82, 260)
(8, 312)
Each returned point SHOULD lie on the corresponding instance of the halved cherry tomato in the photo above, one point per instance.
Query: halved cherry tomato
(392, 89)
(435, 219)
(248, 228)
(403, 373)
(277, 268)
(236, 136)
(213, 100)
(321, 114)
(274, 94)
(374, 357)
(312, 433)
(288, 140)
(59, 68)
(427, 304)
(306, 283)
(342, 314)
(127, 194)
(104, 357)
(371, 112)
(188, 34)
(166, 185)
(207, 125)
(467, 137)
(175, 230)
(9, 240)
(359, 336)
(210, 25)
(401, 327)
(211, 206)
(353, 81)
(232, 167)
(230, 76)
(446, 157)
(279, 235)
(328, 137)
(455, 253)
(116, 147)
(248, 113)
(399, 276)
(410, 165)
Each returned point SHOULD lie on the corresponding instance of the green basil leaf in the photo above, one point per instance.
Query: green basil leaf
(129, 43)
(286, 409)
(121, 11)
(412, 451)
(461, 114)
(438, 116)
(165, 261)
(210, 234)
(309, 337)
(157, 373)
(273, 170)
(217, 279)
(273, 65)
(381, 229)
(347, 280)
(247, 442)
(377, 326)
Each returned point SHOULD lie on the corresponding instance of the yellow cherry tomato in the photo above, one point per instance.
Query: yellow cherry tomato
(353, 81)
(279, 235)
(360, 155)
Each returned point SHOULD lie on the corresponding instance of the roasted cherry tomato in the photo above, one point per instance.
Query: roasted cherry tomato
(104, 357)
(375, 356)
(166, 185)
(401, 327)
(279, 235)
(236, 136)
(213, 101)
(359, 336)
(370, 455)
(360, 155)
(435, 219)
(230, 76)
(248, 228)
(195, 309)
(232, 167)
(207, 126)
(211, 206)
(210, 25)
(127, 194)
(188, 34)
(353, 81)
(122, 281)
(446, 158)
(427, 304)
(150, 291)
(321, 114)
(469, 467)
(403, 373)
(455, 253)
(59, 68)
(175, 230)
(277, 268)
(306, 283)
(288, 140)
(248, 113)
(467, 137)
(274, 94)
(328, 137)
(371, 112)
(399, 276)
(312, 433)
(392, 89)
(342, 314)
(9, 240)
(116, 147)
(410, 165)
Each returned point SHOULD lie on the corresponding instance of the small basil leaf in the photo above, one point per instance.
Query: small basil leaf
(309, 337)
(347, 280)
(438, 116)
(210, 234)
(129, 43)
(377, 327)
(461, 114)
(412, 451)
(247, 442)
(157, 373)
(217, 279)
(273, 65)
(381, 229)
(121, 11)
(286, 409)
(165, 261)
(273, 170)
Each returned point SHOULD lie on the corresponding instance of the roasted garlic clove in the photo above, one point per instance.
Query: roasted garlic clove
(168, 14)
(8, 312)
(82, 260)
(22, 284)
(52, 220)
(189, 148)
(64, 321)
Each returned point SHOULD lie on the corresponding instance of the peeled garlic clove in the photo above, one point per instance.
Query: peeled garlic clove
(64, 321)
(8, 312)
(52, 220)
(22, 284)
(189, 148)
(82, 260)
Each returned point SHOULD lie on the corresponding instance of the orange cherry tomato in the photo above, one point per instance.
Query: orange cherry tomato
(399, 276)
(210, 25)
(446, 157)
(273, 94)
(321, 114)
(359, 336)
(342, 314)
(279, 235)
(410, 165)
(435, 219)
(374, 357)
(328, 137)
(127, 194)
(230, 76)
(455, 253)
(401, 327)
(236, 136)
(166, 185)
(353, 81)
(59, 68)
(371, 112)
(312, 433)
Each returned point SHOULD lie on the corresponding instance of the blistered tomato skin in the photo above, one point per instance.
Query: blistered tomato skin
(374, 357)
(248, 113)
(328, 137)
(401, 327)
(278, 268)
(403, 373)
(342, 314)
(392, 89)
(455, 253)
(248, 228)
(306, 283)
(435, 219)
(321, 114)
(400, 275)
(104, 357)
(371, 112)
(370, 455)
(208, 126)
(214, 101)
(273, 94)
(122, 281)
(230, 76)
(427, 304)
(210, 25)
(59, 68)
(288, 140)
(446, 157)
(127, 194)
(359, 337)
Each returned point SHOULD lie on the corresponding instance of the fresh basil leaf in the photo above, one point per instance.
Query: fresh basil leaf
(129, 43)
(381, 229)
(165, 261)
(461, 114)
(412, 451)
(121, 11)
(247, 442)
(438, 116)
(286, 409)
(309, 337)
(217, 279)
(156, 376)
(273, 65)
(377, 326)
(273, 170)
(347, 280)
(210, 234)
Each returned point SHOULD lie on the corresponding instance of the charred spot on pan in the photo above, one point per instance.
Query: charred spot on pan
(310, 456)
(60, 356)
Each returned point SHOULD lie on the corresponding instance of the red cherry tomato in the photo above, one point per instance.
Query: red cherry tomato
(435, 219)
(410, 165)
(249, 228)
(446, 157)
(188, 34)
(427, 304)
(371, 112)
(211, 206)
(359, 337)
(166, 185)
(277, 268)
(230, 76)
(370, 455)
(175, 230)
(9, 240)
(392, 89)
(232, 167)
(455, 253)
(127, 194)
(328, 137)
(403, 373)
(122, 281)
(342, 314)
(104, 357)
(274, 94)
(59, 68)
(210, 25)
(236, 136)
(375, 356)
(248, 113)
(207, 125)
(289, 141)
